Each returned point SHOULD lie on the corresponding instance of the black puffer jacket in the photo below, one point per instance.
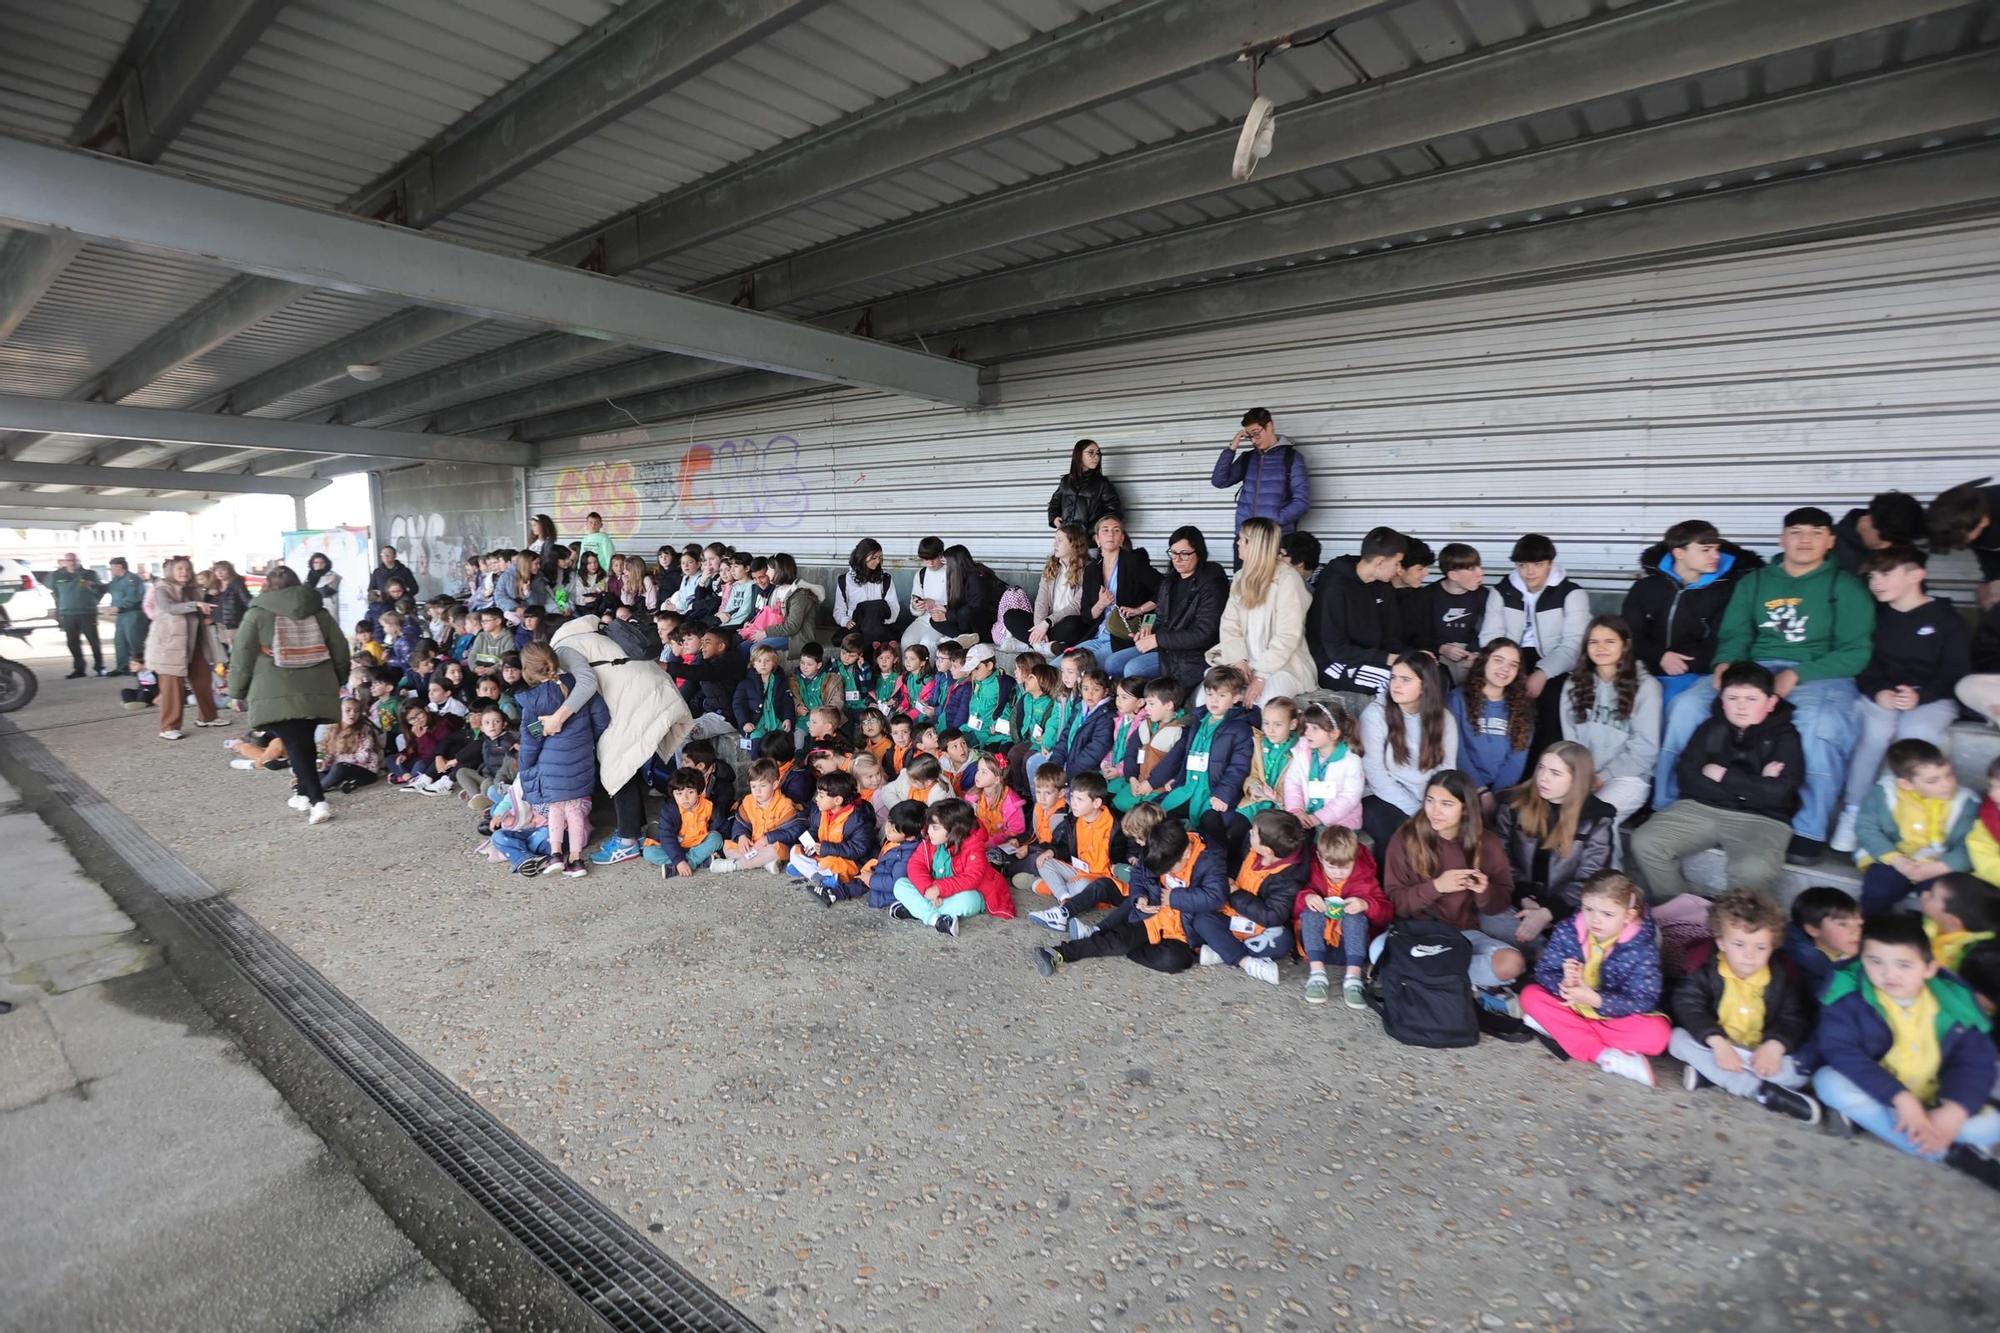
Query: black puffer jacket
(1667, 616)
(1190, 621)
(1743, 755)
(1084, 500)
(1695, 1001)
(1556, 882)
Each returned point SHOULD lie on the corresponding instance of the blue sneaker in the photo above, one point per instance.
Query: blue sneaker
(792, 872)
(616, 850)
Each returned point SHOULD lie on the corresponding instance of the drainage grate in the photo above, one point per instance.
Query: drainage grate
(618, 1272)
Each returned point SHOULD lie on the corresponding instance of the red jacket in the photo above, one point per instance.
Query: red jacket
(1362, 882)
(969, 870)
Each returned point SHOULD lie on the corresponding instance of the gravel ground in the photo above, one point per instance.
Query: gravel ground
(842, 1122)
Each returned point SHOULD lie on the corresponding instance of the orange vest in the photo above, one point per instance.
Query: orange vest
(1093, 841)
(898, 754)
(1250, 879)
(773, 814)
(694, 822)
(879, 747)
(1166, 923)
(1045, 820)
(991, 813)
(833, 829)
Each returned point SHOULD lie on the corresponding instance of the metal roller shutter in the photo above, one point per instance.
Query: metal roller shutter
(1598, 410)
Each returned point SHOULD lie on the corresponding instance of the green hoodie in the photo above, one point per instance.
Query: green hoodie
(1824, 621)
(277, 693)
(1956, 1005)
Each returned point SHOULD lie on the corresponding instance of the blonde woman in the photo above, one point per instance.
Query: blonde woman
(1264, 621)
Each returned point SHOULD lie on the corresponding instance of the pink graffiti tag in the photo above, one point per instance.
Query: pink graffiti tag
(745, 486)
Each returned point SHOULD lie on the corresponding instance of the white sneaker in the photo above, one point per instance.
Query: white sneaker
(320, 813)
(774, 867)
(1208, 957)
(1264, 969)
(213, 722)
(722, 865)
(244, 764)
(1055, 918)
(170, 735)
(437, 786)
(298, 802)
(1627, 1064)
(1846, 835)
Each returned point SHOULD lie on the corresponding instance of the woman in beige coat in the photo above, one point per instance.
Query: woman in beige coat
(177, 648)
(1264, 621)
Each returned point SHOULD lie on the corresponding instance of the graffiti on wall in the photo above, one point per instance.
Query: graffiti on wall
(738, 487)
(436, 547)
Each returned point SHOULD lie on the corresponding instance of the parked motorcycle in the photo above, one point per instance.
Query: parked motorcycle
(17, 680)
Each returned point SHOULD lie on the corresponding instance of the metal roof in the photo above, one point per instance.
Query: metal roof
(330, 102)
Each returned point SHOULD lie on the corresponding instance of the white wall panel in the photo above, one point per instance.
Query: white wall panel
(1597, 410)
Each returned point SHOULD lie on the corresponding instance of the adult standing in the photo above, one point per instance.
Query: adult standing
(231, 600)
(544, 545)
(1270, 470)
(1119, 588)
(177, 648)
(1085, 494)
(322, 580)
(127, 592)
(287, 664)
(1264, 623)
(78, 591)
(594, 538)
(1187, 617)
(390, 570)
(864, 597)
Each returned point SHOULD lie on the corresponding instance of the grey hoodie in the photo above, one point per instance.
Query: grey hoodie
(1401, 785)
(1621, 748)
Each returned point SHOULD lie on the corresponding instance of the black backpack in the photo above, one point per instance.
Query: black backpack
(1426, 992)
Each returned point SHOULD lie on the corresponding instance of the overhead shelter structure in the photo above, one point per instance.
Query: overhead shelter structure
(790, 272)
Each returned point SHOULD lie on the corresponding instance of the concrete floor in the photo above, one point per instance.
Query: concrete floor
(837, 1121)
(153, 1180)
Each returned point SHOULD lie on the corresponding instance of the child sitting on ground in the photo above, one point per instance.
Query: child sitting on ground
(762, 702)
(922, 780)
(1597, 984)
(841, 840)
(1741, 775)
(1271, 758)
(1342, 907)
(1741, 1015)
(950, 877)
(424, 738)
(1824, 935)
(1903, 1052)
(1913, 826)
(559, 772)
(484, 759)
(1128, 705)
(1253, 929)
(766, 825)
(1002, 813)
(1155, 738)
(351, 750)
(902, 838)
(1085, 848)
(867, 771)
(812, 684)
(719, 777)
(1178, 875)
(687, 836)
(1040, 821)
(1205, 779)
(1960, 911)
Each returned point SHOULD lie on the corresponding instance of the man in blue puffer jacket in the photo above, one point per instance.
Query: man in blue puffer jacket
(1269, 468)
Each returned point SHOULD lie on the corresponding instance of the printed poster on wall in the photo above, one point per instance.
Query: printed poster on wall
(351, 552)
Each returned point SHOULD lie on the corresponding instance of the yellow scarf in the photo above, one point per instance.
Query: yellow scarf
(1594, 954)
(1914, 1055)
(1742, 1008)
(1949, 947)
(1922, 823)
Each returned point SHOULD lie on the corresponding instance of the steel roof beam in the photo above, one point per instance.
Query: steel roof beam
(110, 504)
(109, 421)
(1564, 67)
(62, 519)
(148, 209)
(141, 478)
(30, 263)
(399, 401)
(1869, 197)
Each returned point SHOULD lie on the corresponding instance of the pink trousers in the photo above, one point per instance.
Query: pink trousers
(1582, 1038)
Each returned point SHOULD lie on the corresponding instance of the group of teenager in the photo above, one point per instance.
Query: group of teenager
(1200, 769)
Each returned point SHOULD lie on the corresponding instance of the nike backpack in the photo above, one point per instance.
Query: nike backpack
(1425, 987)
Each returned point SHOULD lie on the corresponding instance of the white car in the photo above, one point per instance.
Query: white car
(23, 595)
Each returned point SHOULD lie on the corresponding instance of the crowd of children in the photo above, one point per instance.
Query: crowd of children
(1468, 762)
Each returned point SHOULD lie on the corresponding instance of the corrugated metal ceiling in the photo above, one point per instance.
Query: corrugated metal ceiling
(54, 55)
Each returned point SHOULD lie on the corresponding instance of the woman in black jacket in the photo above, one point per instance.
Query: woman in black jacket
(972, 596)
(1557, 835)
(1187, 618)
(1085, 494)
(1116, 580)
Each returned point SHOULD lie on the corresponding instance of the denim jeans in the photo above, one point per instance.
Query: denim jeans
(1099, 647)
(518, 846)
(1841, 1093)
(1823, 712)
(1132, 664)
(1353, 939)
(1879, 727)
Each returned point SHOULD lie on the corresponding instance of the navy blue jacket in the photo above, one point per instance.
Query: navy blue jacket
(1274, 483)
(1207, 887)
(1086, 750)
(1852, 1037)
(863, 836)
(747, 704)
(1631, 980)
(894, 865)
(1229, 756)
(562, 767)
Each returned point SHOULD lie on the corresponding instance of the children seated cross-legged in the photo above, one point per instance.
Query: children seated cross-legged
(1154, 737)
(1203, 781)
(766, 826)
(838, 841)
(1612, 708)
(1253, 929)
(1177, 875)
(902, 837)
(1077, 868)
(1002, 813)
(1740, 778)
(1039, 823)
(1597, 984)
(1902, 1051)
(559, 771)
(1496, 720)
(1557, 836)
(1959, 911)
(1824, 934)
(921, 780)
(1913, 827)
(1444, 864)
(1342, 907)
(1272, 753)
(1325, 783)
(949, 877)
(1742, 1015)
(689, 833)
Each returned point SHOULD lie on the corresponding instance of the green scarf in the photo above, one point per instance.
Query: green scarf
(1030, 712)
(1192, 795)
(1057, 721)
(812, 690)
(886, 686)
(850, 686)
(767, 720)
(1316, 768)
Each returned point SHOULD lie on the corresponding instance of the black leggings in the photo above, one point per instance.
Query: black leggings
(1379, 820)
(873, 622)
(349, 777)
(628, 804)
(297, 734)
(1128, 938)
(1064, 633)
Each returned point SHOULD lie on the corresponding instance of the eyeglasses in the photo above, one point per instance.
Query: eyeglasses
(1182, 554)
